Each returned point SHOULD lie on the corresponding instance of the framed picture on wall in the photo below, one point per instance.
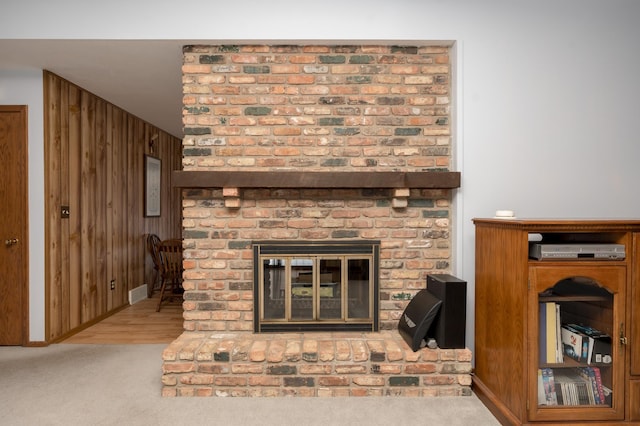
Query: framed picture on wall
(152, 173)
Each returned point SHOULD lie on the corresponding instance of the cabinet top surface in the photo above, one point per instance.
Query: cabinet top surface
(560, 224)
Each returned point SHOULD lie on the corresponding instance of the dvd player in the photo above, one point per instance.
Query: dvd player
(577, 251)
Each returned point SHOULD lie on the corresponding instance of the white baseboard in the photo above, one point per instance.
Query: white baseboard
(137, 294)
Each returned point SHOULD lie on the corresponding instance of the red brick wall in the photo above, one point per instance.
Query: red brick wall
(321, 108)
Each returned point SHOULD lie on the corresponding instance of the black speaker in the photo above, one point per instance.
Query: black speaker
(448, 328)
(417, 318)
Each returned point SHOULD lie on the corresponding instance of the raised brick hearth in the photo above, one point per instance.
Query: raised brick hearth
(313, 364)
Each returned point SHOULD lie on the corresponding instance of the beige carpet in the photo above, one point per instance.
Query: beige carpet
(78, 384)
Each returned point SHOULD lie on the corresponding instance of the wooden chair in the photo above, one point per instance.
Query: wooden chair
(153, 246)
(171, 270)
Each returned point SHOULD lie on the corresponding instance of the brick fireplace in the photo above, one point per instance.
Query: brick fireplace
(313, 144)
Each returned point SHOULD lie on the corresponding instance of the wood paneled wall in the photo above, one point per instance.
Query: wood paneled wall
(94, 164)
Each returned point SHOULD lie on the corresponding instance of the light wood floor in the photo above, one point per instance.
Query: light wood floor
(138, 323)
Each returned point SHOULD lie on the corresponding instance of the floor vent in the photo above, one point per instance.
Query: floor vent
(137, 294)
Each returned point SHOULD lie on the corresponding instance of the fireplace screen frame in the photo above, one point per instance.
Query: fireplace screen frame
(315, 252)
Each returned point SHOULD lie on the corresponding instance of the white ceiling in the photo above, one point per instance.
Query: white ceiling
(141, 77)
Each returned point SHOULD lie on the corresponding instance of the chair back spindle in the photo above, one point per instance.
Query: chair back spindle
(171, 269)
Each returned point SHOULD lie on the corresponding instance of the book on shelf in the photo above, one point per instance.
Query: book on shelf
(546, 387)
(559, 353)
(574, 389)
(542, 400)
(598, 342)
(575, 344)
(551, 332)
(608, 393)
(550, 346)
(572, 386)
(589, 373)
(601, 393)
(548, 340)
(542, 334)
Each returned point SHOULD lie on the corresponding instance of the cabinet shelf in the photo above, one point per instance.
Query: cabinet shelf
(571, 298)
(572, 363)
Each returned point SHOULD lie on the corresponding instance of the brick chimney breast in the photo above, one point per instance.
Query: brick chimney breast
(312, 109)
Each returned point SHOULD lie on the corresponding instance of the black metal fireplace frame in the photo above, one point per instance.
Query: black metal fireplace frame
(342, 247)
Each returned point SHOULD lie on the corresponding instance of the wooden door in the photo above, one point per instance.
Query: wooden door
(599, 304)
(13, 225)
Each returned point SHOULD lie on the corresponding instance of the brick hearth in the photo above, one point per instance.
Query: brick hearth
(312, 364)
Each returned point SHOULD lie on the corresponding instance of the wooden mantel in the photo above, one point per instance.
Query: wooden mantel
(314, 179)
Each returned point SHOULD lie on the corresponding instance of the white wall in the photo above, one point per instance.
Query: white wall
(547, 91)
(25, 88)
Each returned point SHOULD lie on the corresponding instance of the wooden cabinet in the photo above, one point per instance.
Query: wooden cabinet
(530, 319)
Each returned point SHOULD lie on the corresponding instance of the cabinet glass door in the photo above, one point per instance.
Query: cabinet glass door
(578, 364)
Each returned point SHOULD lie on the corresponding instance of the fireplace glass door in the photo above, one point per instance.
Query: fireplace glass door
(316, 291)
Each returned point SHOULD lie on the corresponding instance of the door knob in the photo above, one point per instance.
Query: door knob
(11, 242)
